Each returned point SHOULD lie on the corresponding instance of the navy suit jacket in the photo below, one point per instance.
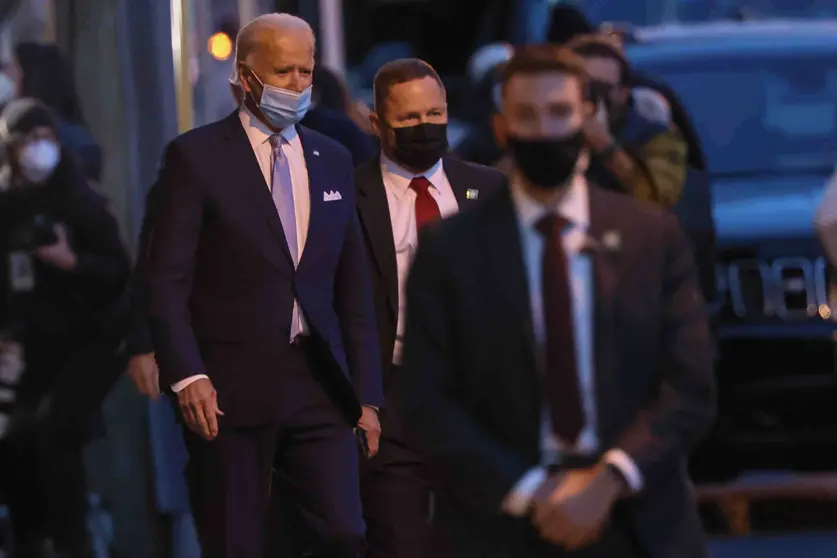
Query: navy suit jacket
(221, 282)
(340, 127)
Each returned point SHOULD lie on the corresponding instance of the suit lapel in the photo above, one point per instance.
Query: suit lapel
(373, 210)
(318, 185)
(253, 193)
(461, 182)
(605, 277)
(503, 250)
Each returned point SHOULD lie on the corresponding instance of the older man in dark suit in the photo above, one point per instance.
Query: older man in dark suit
(260, 308)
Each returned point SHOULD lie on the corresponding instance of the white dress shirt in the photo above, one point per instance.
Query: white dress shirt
(259, 135)
(574, 206)
(402, 212)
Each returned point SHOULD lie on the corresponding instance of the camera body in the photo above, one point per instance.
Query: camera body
(37, 232)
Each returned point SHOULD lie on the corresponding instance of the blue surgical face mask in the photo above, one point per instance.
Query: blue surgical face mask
(283, 107)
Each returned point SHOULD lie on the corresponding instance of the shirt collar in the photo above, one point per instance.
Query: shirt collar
(574, 205)
(258, 133)
(398, 179)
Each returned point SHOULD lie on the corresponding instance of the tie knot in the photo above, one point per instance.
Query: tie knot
(551, 224)
(276, 141)
(420, 184)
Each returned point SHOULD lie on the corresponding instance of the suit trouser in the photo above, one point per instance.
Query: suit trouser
(396, 495)
(314, 451)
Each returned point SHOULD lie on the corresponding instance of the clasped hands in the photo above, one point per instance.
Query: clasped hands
(571, 508)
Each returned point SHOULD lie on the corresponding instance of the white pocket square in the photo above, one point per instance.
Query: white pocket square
(332, 196)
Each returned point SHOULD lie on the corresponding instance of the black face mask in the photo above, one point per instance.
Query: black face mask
(547, 162)
(420, 147)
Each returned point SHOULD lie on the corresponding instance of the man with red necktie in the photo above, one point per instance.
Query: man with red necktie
(412, 184)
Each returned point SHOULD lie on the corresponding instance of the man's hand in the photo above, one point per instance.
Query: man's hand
(597, 134)
(144, 373)
(571, 508)
(60, 254)
(369, 423)
(199, 404)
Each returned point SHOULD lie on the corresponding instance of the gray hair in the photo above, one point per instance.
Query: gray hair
(245, 43)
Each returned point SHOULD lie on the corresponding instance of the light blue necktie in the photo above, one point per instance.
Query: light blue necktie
(281, 189)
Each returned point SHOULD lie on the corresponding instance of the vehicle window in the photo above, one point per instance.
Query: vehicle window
(760, 116)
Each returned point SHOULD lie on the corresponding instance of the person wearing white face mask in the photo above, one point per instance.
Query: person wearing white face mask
(33, 151)
(63, 271)
(38, 159)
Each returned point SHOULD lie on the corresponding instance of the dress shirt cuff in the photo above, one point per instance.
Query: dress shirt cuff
(623, 462)
(181, 385)
(516, 502)
(377, 410)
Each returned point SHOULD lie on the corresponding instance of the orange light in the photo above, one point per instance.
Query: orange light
(220, 46)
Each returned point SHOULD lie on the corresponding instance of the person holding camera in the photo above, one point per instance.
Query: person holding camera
(643, 157)
(63, 277)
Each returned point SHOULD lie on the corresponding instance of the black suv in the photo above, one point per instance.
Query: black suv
(763, 97)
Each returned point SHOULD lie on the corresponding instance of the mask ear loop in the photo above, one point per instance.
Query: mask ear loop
(258, 79)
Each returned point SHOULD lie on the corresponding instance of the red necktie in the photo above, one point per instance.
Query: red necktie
(561, 382)
(427, 210)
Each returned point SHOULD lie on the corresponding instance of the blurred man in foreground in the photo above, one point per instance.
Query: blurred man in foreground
(558, 362)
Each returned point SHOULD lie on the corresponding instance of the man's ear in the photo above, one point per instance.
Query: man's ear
(501, 130)
(244, 83)
(376, 124)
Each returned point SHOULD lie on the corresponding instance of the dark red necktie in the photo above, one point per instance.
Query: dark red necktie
(561, 382)
(427, 210)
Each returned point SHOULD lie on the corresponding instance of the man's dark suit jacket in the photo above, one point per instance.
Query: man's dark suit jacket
(469, 386)
(138, 340)
(373, 208)
(221, 281)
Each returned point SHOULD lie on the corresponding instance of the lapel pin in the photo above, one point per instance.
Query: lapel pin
(472, 194)
(612, 240)
(317, 153)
